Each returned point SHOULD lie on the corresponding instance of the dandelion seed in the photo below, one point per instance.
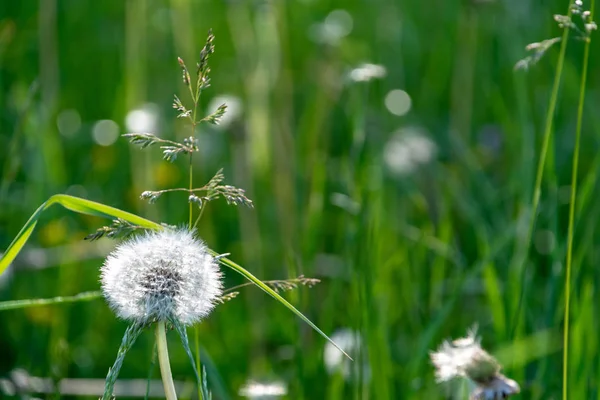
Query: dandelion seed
(464, 358)
(162, 275)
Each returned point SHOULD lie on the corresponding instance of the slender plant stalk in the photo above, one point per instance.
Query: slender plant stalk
(541, 166)
(191, 213)
(196, 98)
(163, 361)
(570, 233)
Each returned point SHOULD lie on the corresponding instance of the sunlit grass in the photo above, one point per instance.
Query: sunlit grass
(479, 233)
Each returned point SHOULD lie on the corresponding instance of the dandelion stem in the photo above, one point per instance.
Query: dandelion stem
(198, 365)
(163, 361)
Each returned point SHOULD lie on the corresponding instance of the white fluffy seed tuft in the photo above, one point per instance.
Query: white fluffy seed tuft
(162, 275)
(465, 358)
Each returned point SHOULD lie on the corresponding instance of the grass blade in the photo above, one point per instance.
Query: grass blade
(89, 207)
(76, 204)
(16, 304)
(572, 206)
(227, 262)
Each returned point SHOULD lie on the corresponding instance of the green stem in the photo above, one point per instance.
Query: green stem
(198, 365)
(537, 191)
(199, 215)
(191, 210)
(571, 229)
(163, 361)
(196, 99)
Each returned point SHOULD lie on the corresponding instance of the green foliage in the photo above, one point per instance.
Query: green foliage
(407, 260)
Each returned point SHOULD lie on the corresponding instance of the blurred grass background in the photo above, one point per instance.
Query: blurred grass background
(408, 196)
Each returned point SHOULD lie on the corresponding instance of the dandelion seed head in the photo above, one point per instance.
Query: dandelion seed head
(162, 275)
(465, 358)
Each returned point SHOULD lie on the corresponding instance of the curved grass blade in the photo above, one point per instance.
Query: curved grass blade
(16, 304)
(76, 204)
(227, 262)
(89, 207)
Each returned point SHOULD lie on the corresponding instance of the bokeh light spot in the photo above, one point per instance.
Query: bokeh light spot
(398, 102)
(105, 132)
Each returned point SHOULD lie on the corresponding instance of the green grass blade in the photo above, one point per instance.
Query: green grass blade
(15, 304)
(572, 206)
(89, 207)
(227, 262)
(76, 204)
(541, 167)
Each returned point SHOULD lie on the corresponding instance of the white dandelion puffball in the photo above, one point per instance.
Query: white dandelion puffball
(465, 358)
(162, 275)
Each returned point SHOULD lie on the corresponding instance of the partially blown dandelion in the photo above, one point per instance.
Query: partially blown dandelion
(464, 358)
(162, 276)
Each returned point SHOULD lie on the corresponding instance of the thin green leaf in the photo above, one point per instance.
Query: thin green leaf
(15, 304)
(89, 207)
(239, 269)
(76, 204)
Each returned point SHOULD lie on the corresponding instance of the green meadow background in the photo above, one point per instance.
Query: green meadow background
(412, 208)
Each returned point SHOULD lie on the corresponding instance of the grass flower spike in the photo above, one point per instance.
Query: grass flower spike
(464, 358)
(162, 275)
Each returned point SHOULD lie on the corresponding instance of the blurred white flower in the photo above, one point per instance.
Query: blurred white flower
(407, 149)
(234, 109)
(335, 362)
(143, 120)
(260, 390)
(367, 72)
(464, 358)
(161, 275)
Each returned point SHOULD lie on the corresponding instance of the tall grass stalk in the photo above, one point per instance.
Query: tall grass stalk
(572, 205)
(537, 191)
